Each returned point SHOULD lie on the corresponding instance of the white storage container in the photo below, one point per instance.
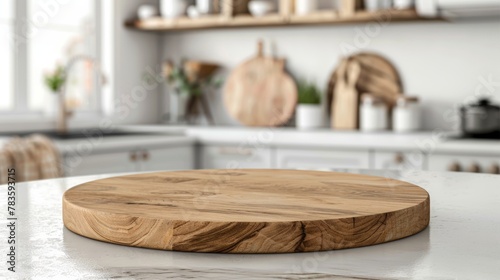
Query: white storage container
(406, 115)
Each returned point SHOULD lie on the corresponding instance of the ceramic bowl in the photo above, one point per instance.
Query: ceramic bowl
(260, 8)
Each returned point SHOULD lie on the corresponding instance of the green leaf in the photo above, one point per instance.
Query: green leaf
(308, 93)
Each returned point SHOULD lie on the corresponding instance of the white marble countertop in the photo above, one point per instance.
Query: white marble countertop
(427, 142)
(462, 242)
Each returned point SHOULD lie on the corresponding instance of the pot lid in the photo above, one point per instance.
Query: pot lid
(484, 103)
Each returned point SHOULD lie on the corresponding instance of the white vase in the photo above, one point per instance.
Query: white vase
(51, 105)
(309, 116)
(304, 7)
(173, 8)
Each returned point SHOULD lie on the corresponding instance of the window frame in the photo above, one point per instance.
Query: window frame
(20, 67)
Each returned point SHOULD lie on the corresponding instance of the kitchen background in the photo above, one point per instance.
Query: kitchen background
(445, 61)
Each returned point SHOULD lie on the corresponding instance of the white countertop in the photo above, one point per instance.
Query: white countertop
(462, 242)
(427, 142)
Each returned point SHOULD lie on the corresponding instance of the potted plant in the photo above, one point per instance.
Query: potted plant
(191, 80)
(54, 80)
(309, 113)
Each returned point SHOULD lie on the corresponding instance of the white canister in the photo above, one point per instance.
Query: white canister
(304, 7)
(372, 114)
(173, 8)
(406, 115)
(309, 116)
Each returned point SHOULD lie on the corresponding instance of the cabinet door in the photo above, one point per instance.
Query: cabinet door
(171, 158)
(94, 164)
(234, 157)
(322, 159)
(400, 160)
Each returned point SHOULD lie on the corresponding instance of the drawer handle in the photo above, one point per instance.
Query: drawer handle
(133, 156)
(145, 155)
(475, 168)
(455, 167)
(495, 169)
(399, 158)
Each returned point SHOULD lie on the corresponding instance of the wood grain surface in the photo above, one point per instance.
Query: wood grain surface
(346, 97)
(246, 211)
(260, 93)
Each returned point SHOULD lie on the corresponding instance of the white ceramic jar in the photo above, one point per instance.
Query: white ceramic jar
(309, 116)
(173, 8)
(304, 7)
(373, 114)
(406, 115)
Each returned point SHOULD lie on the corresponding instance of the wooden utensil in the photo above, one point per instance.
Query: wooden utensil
(378, 77)
(246, 211)
(346, 97)
(260, 93)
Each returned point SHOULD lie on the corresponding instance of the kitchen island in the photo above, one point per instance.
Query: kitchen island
(461, 242)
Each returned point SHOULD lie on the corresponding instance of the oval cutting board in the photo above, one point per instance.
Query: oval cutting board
(246, 211)
(260, 93)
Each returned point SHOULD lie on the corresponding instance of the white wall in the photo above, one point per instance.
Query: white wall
(440, 62)
(134, 53)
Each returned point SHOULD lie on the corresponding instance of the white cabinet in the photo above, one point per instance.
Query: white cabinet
(234, 157)
(116, 162)
(398, 160)
(177, 158)
(134, 160)
(321, 159)
(464, 163)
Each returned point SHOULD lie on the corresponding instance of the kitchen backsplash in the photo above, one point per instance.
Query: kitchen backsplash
(445, 64)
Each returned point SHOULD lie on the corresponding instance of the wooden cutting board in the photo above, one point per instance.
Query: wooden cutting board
(346, 97)
(260, 93)
(246, 211)
(378, 76)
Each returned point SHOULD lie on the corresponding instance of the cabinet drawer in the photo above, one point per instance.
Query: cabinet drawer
(322, 159)
(464, 163)
(174, 158)
(75, 165)
(234, 157)
(400, 160)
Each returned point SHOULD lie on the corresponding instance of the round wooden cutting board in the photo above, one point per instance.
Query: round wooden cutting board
(378, 76)
(246, 211)
(259, 92)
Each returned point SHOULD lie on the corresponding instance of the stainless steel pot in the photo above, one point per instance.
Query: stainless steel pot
(480, 119)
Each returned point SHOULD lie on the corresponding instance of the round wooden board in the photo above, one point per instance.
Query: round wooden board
(246, 211)
(378, 76)
(260, 93)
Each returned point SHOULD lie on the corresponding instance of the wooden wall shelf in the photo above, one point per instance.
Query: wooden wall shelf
(281, 19)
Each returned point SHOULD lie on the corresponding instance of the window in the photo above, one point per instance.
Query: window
(6, 62)
(52, 34)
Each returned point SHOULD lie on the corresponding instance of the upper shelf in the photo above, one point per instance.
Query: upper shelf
(320, 18)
